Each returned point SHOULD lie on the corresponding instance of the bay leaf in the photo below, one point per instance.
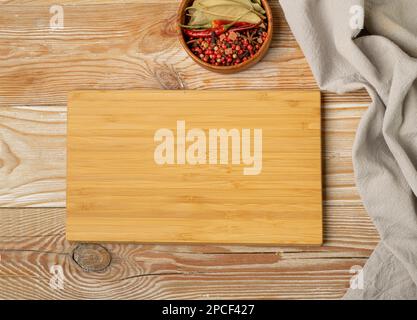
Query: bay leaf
(223, 12)
(245, 3)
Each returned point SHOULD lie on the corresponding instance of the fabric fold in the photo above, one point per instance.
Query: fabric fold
(385, 148)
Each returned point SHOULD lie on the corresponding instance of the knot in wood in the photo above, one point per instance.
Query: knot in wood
(169, 26)
(168, 78)
(92, 257)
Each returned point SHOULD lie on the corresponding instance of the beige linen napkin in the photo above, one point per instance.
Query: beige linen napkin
(385, 149)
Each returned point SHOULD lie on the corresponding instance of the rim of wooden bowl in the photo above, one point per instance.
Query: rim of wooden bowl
(226, 69)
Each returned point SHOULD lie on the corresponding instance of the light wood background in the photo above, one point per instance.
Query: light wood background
(131, 44)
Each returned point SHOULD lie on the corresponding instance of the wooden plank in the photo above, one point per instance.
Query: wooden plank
(172, 277)
(33, 156)
(266, 193)
(33, 240)
(122, 46)
(328, 279)
(348, 231)
(340, 121)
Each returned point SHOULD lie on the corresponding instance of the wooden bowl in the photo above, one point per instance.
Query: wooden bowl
(226, 69)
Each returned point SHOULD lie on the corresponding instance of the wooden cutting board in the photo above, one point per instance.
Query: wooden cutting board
(194, 167)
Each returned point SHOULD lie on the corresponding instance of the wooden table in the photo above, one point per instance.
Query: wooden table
(131, 44)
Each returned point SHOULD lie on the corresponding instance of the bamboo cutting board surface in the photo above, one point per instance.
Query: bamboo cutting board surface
(118, 191)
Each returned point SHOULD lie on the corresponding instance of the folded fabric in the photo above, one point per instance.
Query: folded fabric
(385, 148)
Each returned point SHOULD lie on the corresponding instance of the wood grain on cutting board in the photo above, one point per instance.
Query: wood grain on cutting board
(116, 191)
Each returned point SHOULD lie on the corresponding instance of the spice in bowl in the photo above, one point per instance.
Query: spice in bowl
(225, 32)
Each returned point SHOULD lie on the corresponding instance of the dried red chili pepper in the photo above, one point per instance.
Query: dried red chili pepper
(219, 23)
(203, 33)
